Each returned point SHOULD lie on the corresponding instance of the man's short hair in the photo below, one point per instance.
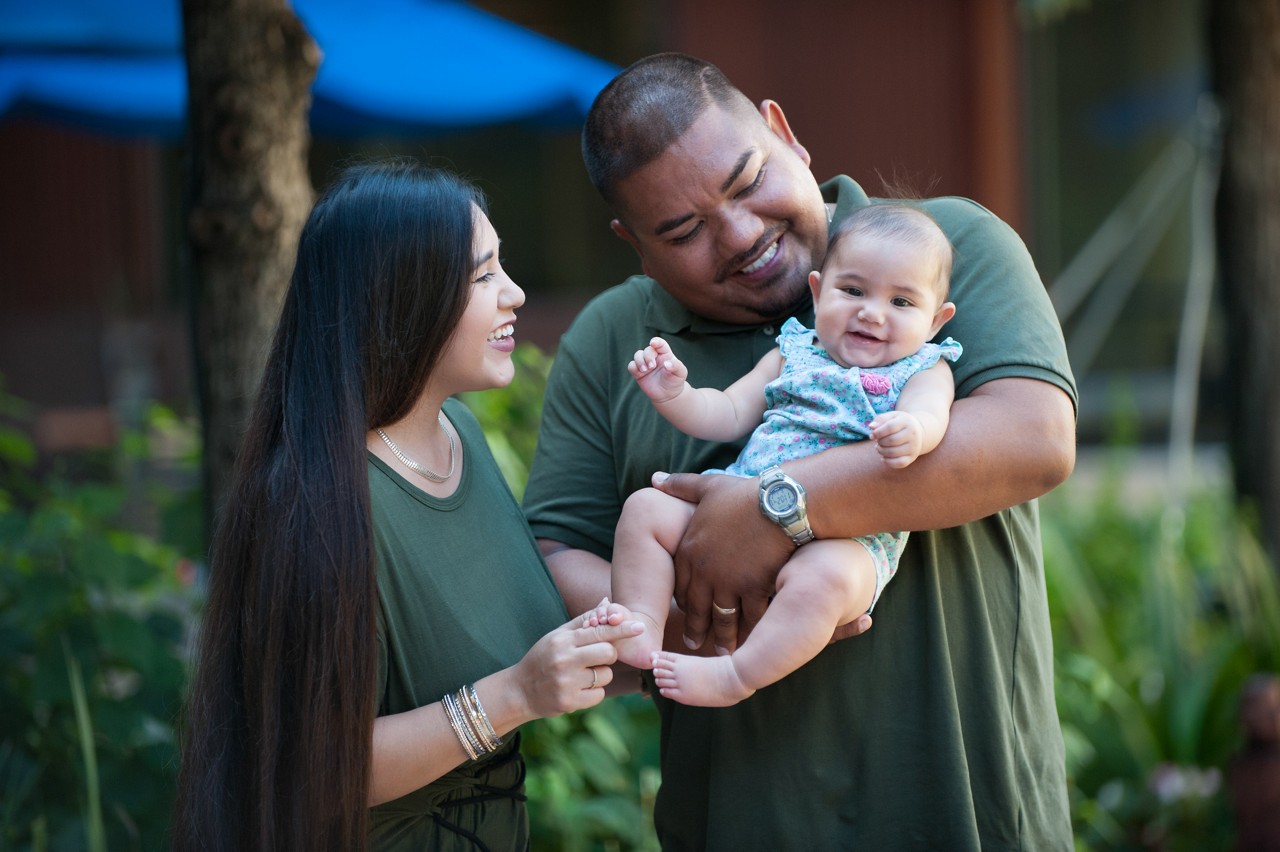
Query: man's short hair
(646, 108)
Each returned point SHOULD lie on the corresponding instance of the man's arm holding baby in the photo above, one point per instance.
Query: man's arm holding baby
(1008, 442)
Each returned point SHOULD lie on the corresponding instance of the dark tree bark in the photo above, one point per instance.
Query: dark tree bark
(1245, 49)
(250, 65)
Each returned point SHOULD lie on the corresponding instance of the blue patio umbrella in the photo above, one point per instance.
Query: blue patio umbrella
(402, 67)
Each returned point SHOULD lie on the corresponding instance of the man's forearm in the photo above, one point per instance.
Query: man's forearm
(582, 577)
(1011, 441)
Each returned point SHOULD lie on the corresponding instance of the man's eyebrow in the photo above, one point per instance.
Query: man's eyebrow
(671, 224)
(737, 169)
(677, 221)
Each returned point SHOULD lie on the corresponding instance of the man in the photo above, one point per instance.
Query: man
(935, 730)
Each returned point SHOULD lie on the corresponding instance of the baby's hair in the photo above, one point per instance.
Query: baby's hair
(906, 224)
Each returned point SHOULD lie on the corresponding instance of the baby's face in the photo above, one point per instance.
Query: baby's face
(876, 301)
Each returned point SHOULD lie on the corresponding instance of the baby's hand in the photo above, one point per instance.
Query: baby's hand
(660, 374)
(898, 436)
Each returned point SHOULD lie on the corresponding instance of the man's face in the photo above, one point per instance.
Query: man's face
(729, 219)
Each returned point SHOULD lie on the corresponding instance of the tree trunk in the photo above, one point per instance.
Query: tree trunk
(1245, 48)
(250, 64)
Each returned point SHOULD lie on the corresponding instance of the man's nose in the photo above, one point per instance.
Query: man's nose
(739, 230)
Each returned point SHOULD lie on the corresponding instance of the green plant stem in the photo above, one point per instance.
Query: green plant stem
(95, 831)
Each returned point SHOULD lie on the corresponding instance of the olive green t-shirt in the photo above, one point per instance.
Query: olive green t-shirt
(463, 592)
(935, 730)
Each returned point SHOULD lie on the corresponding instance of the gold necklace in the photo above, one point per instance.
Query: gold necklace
(417, 467)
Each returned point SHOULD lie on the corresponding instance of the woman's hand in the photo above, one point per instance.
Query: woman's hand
(568, 668)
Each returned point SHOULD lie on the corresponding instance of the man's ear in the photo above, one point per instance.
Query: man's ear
(630, 239)
(777, 122)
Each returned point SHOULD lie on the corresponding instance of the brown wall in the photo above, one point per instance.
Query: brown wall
(920, 91)
(84, 279)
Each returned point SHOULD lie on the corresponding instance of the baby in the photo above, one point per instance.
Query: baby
(865, 371)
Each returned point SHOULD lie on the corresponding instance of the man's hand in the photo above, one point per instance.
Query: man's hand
(857, 627)
(730, 557)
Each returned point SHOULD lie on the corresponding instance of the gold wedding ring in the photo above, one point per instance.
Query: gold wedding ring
(724, 610)
(595, 678)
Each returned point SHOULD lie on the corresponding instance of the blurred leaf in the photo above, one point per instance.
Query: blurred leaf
(1158, 618)
(16, 447)
(95, 835)
(94, 624)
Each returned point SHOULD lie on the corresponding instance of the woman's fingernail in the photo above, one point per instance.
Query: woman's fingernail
(659, 477)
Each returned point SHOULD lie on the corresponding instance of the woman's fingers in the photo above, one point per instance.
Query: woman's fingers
(605, 634)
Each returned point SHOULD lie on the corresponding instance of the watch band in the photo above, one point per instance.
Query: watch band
(800, 531)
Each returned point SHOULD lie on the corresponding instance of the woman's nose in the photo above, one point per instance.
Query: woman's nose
(513, 296)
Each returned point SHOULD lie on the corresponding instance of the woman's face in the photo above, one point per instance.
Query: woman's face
(478, 355)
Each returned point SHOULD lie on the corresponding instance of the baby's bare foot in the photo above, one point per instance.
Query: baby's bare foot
(605, 613)
(637, 651)
(699, 681)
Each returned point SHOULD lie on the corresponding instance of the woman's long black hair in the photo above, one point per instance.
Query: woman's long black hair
(279, 720)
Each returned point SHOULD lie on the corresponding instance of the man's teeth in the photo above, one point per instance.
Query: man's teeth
(760, 262)
(506, 331)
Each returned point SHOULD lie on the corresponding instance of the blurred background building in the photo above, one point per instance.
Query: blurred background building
(1057, 125)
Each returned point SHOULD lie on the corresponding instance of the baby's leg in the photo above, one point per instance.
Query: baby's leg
(648, 532)
(825, 584)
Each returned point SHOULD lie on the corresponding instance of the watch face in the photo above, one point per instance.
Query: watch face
(781, 499)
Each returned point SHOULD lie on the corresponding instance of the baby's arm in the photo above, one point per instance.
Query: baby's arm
(706, 413)
(919, 420)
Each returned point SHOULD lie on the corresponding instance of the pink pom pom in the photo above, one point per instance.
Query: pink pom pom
(875, 383)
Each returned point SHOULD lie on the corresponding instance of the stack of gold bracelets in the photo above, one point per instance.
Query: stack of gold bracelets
(470, 722)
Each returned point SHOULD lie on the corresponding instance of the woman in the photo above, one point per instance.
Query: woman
(379, 621)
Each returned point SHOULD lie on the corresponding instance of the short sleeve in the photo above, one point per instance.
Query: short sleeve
(1003, 313)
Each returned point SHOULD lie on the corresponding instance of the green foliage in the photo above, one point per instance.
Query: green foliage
(92, 619)
(510, 415)
(1160, 615)
(593, 776)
